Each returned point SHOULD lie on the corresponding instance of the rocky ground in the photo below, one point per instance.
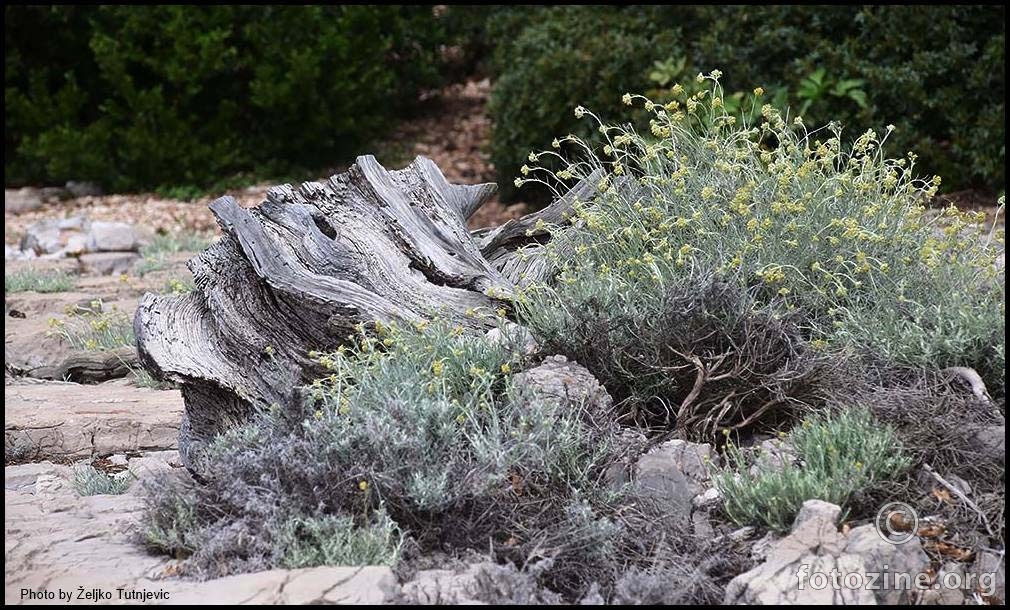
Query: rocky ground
(75, 393)
(70, 402)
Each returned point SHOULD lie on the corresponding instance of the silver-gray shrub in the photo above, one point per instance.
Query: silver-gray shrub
(420, 424)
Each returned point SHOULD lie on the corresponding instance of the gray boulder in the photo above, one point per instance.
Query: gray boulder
(52, 235)
(672, 475)
(112, 237)
(84, 189)
(559, 381)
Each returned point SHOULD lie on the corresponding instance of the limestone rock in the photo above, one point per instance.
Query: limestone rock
(991, 441)
(991, 570)
(84, 189)
(56, 539)
(107, 263)
(798, 568)
(50, 236)
(56, 419)
(672, 474)
(564, 382)
(112, 237)
(444, 586)
(19, 201)
(513, 332)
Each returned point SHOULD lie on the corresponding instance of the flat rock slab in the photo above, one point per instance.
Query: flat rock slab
(57, 542)
(56, 419)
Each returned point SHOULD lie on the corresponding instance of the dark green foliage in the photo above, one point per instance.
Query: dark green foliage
(559, 58)
(937, 73)
(137, 97)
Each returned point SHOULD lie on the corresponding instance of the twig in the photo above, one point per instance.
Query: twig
(961, 496)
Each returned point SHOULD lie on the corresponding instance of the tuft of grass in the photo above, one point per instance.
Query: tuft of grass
(26, 280)
(837, 456)
(157, 253)
(171, 522)
(99, 330)
(143, 379)
(338, 541)
(89, 481)
(174, 243)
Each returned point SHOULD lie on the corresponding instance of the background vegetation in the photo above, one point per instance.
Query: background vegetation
(145, 97)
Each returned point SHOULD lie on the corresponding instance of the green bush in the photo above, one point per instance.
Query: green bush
(693, 354)
(338, 541)
(553, 60)
(178, 95)
(836, 457)
(937, 73)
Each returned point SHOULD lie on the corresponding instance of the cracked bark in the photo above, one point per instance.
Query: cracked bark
(299, 272)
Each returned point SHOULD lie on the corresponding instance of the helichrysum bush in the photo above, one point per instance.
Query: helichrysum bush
(836, 457)
(838, 235)
(418, 425)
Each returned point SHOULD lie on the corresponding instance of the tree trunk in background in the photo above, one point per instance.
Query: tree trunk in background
(298, 273)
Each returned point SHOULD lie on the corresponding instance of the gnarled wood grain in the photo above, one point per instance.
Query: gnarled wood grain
(298, 273)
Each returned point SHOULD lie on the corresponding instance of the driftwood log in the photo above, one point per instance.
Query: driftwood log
(299, 272)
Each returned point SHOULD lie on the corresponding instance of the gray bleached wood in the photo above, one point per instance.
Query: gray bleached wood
(301, 271)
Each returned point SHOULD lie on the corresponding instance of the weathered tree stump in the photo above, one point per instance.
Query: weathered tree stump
(299, 272)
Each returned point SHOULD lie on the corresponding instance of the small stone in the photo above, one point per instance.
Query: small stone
(673, 473)
(817, 510)
(950, 572)
(707, 499)
(52, 194)
(702, 526)
(84, 189)
(107, 263)
(19, 201)
(990, 570)
(76, 244)
(991, 441)
(566, 383)
(513, 333)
